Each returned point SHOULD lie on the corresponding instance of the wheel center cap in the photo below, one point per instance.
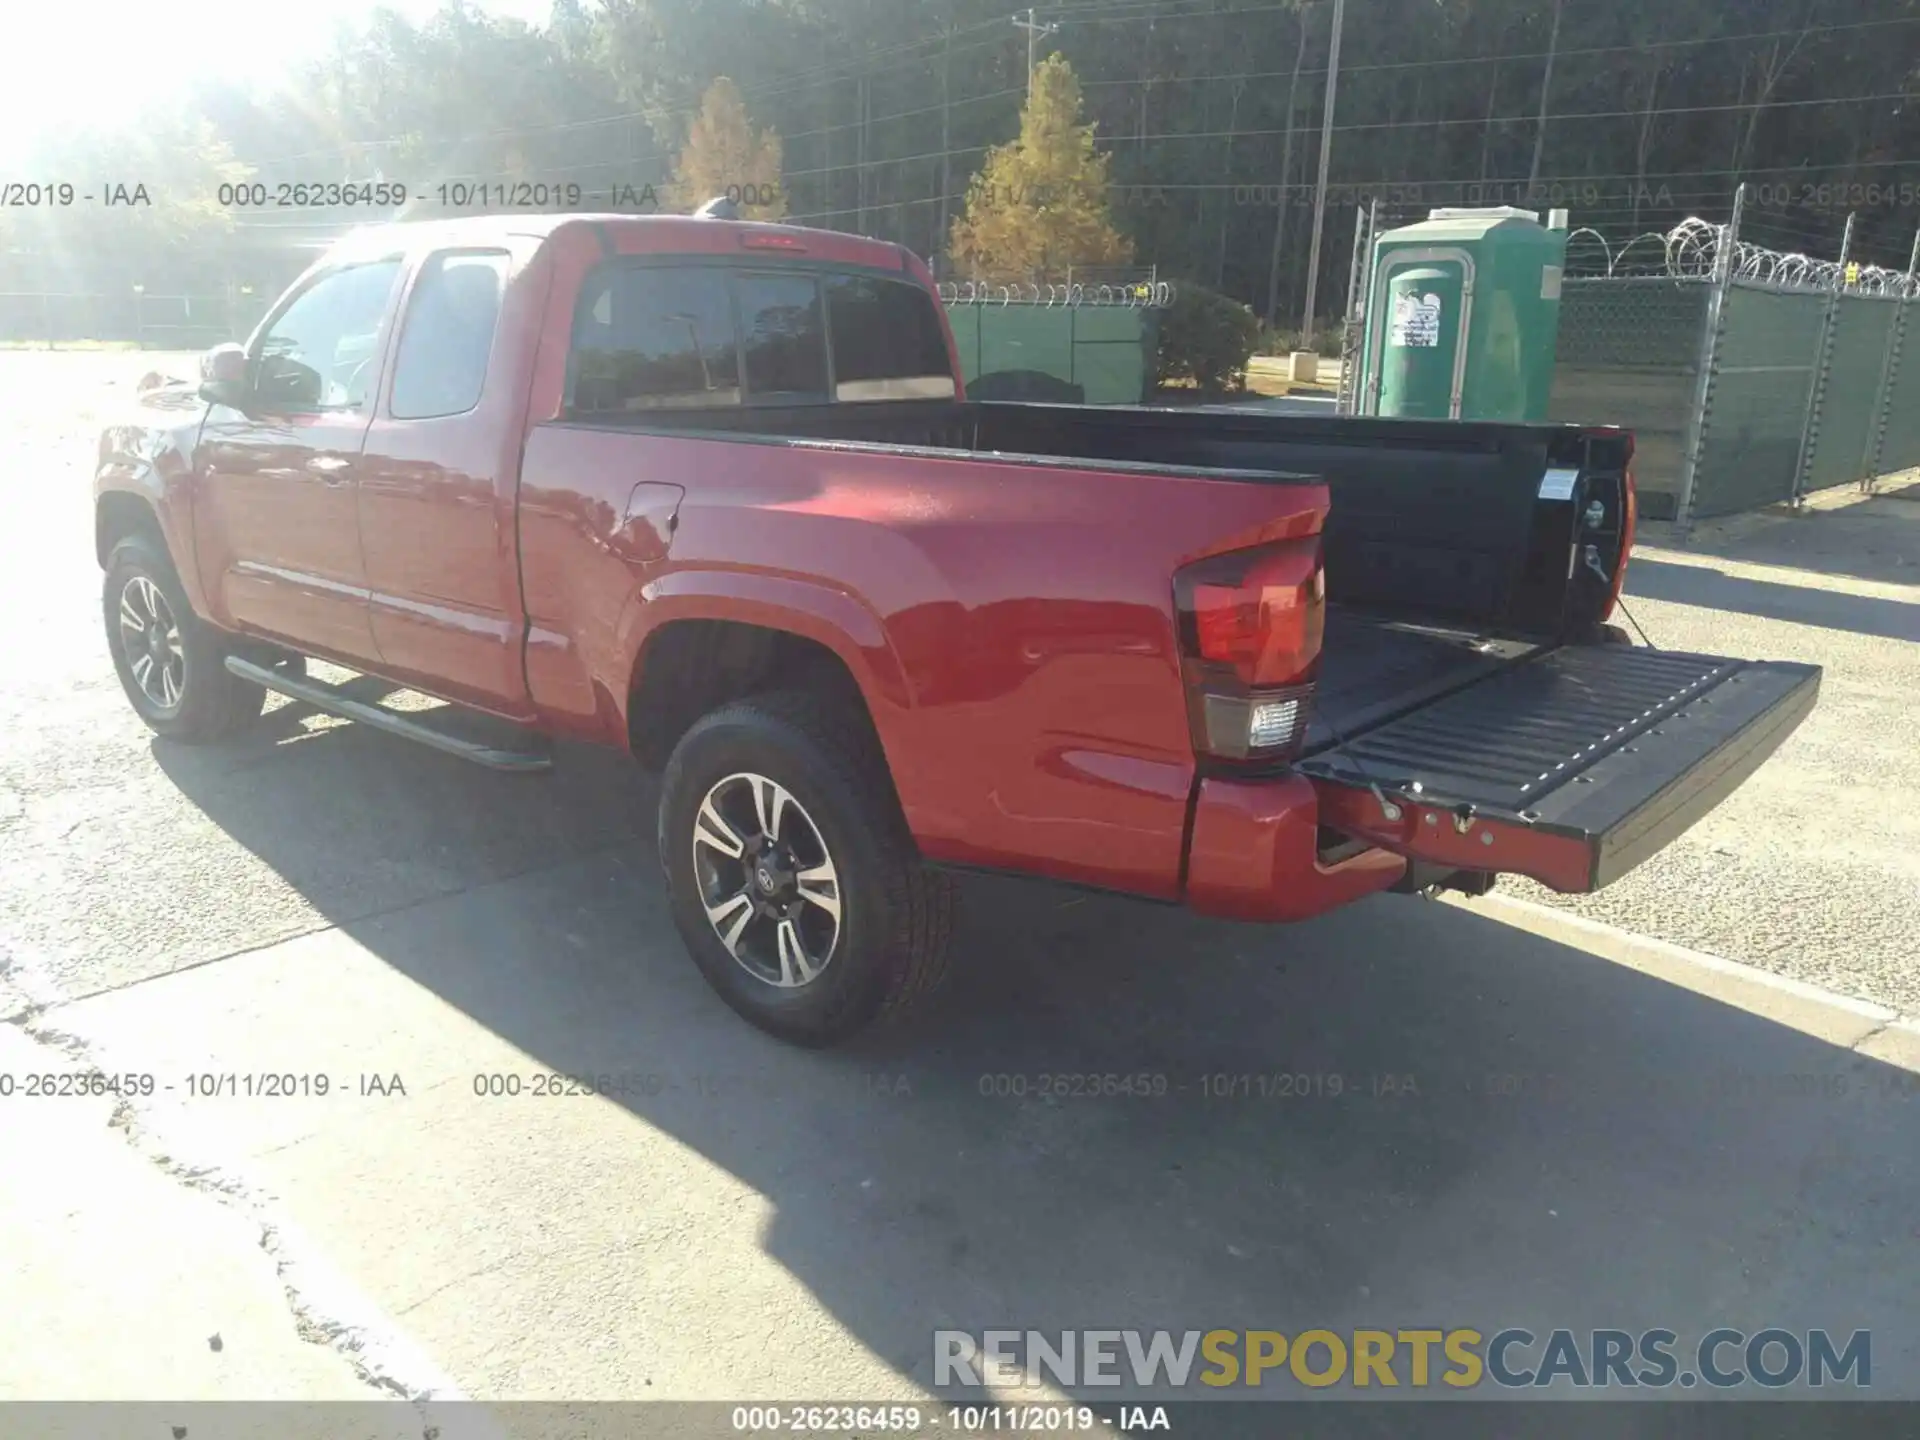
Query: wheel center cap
(763, 877)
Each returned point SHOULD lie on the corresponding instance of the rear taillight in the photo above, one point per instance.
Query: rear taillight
(1251, 624)
(1629, 517)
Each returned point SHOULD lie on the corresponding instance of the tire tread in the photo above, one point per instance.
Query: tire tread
(230, 702)
(918, 900)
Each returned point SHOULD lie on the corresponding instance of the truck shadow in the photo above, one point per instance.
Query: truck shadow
(1712, 589)
(1872, 538)
(1403, 1114)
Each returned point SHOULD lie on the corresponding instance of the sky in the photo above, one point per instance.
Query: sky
(76, 63)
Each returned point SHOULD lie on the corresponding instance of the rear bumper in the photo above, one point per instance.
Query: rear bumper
(1253, 854)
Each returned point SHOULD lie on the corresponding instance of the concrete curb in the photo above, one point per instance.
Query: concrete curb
(1873, 1030)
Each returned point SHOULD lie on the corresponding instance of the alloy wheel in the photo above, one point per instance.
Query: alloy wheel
(150, 640)
(766, 879)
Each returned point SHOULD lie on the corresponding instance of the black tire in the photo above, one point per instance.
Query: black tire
(895, 915)
(212, 701)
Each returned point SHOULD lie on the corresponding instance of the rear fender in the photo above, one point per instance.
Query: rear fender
(830, 617)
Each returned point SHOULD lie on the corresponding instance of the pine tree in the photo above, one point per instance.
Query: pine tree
(1040, 204)
(724, 156)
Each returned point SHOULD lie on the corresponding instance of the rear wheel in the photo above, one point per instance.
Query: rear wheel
(170, 662)
(793, 879)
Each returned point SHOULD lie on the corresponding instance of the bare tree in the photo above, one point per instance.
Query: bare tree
(1643, 141)
(1767, 67)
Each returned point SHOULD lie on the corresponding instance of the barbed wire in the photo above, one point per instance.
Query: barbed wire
(1692, 250)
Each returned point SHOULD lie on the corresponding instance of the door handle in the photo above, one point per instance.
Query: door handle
(330, 468)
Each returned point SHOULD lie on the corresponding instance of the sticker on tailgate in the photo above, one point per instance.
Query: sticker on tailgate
(1558, 484)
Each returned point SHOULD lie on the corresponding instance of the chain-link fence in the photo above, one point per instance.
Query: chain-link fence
(1092, 345)
(1630, 354)
(1753, 424)
(1897, 447)
(1740, 393)
(153, 322)
(1845, 417)
(1751, 377)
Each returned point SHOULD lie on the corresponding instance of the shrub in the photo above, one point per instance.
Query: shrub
(1205, 338)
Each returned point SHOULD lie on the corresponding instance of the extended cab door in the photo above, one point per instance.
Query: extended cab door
(440, 476)
(278, 530)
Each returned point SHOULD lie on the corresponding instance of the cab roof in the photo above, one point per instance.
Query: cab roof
(626, 235)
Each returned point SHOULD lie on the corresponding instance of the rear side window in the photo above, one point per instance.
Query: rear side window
(783, 337)
(648, 338)
(887, 342)
(448, 335)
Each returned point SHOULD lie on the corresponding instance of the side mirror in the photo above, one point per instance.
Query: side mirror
(223, 376)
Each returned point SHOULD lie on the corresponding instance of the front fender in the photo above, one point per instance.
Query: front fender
(144, 473)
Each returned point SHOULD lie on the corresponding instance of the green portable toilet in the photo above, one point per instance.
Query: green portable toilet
(1423, 341)
(1462, 316)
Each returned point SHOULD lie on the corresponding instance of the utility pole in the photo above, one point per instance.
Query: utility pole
(1326, 159)
(863, 99)
(863, 140)
(946, 140)
(860, 149)
(1286, 174)
(1034, 31)
(1546, 88)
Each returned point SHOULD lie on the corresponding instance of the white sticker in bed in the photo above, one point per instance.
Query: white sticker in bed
(1558, 484)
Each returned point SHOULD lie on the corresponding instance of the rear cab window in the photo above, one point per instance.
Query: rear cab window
(783, 337)
(887, 341)
(675, 336)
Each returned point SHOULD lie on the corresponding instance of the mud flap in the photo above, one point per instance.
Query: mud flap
(1571, 768)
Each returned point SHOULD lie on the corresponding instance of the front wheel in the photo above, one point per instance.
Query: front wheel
(792, 877)
(171, 663)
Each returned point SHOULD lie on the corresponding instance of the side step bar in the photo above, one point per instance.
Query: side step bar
(327, 697)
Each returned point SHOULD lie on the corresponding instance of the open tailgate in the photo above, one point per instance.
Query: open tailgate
(1570, 767)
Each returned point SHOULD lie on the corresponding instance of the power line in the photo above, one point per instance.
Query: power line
(660, 115)
(836, 70)
(1446, 62)
(1479, 120)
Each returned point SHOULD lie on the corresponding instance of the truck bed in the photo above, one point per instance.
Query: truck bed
(1376, 668)
(1434, 522)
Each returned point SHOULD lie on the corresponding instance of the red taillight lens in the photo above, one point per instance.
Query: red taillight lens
(1263, 612)
(766, 240)
(1251, 625)
(1629, 518)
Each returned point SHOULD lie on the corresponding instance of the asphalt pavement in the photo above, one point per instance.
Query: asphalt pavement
(1406, 1113)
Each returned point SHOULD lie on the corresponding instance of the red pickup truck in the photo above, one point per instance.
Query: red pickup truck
(712, 492)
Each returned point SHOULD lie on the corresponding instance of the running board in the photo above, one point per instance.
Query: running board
(327, 697)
